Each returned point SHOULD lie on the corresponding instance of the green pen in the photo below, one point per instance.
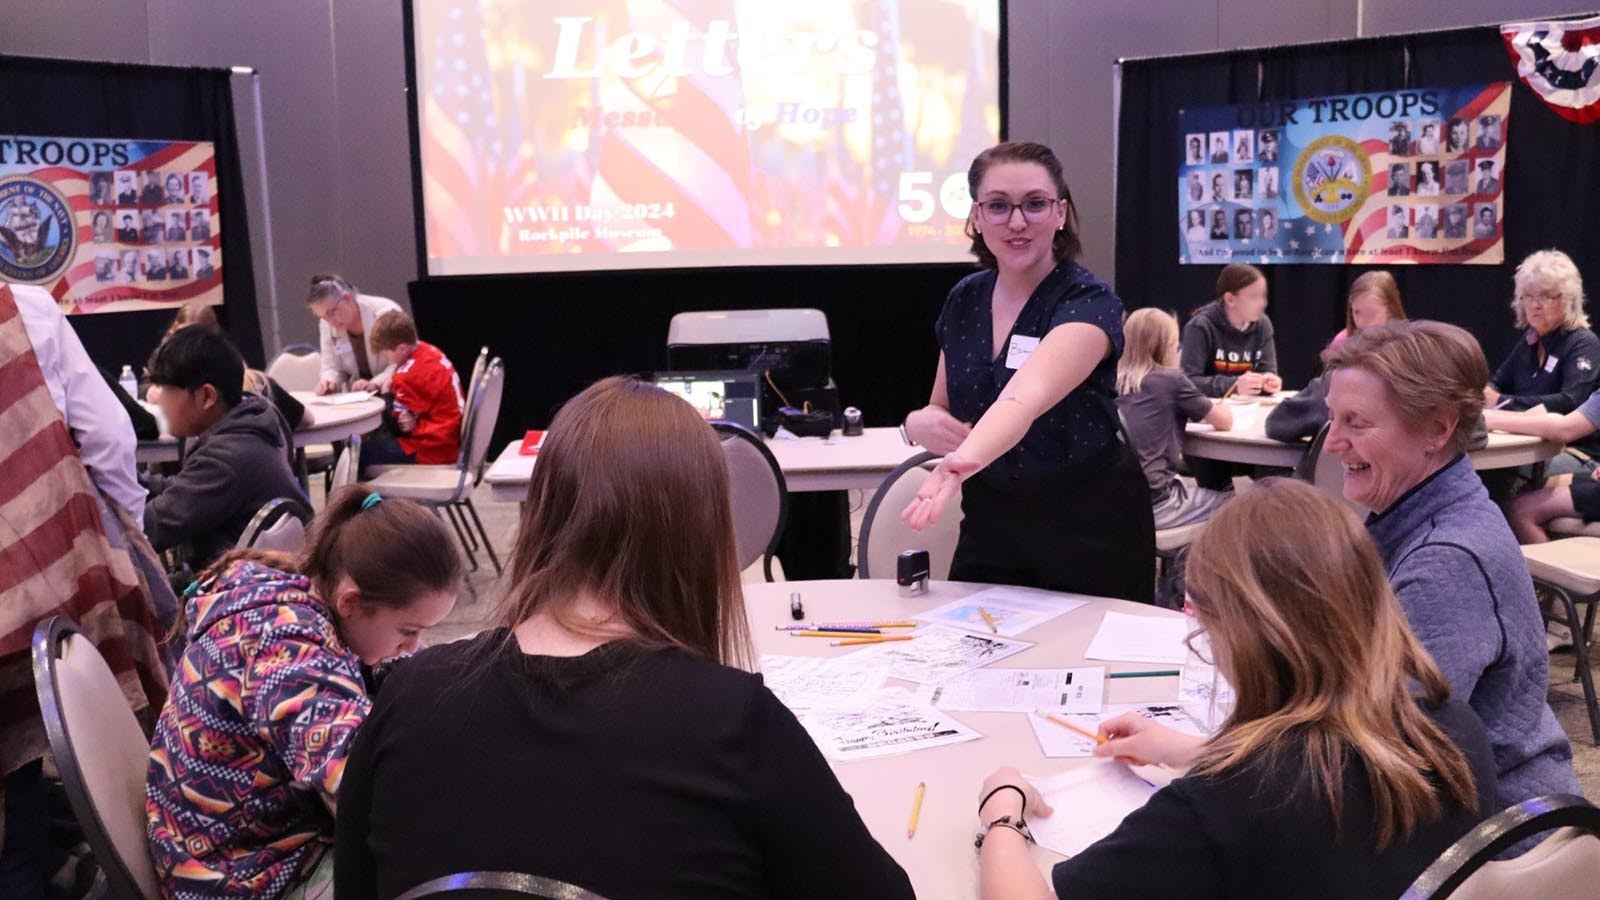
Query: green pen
(1159, 673)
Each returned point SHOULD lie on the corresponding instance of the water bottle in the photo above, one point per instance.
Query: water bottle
(129, 382)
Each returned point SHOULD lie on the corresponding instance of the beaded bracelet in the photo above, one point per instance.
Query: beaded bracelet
(1019, 826)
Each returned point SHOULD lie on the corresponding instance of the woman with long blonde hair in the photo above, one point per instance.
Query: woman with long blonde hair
(1155, 399)
(602, 735)
(1344, 769)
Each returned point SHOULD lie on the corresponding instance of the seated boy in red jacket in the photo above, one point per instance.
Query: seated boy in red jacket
(427, 399)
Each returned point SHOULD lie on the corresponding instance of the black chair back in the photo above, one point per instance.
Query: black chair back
(497, 886)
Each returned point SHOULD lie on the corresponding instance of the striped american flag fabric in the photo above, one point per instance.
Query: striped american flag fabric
(54, 555)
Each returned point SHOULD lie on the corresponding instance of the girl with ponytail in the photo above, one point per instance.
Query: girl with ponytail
(269, 694)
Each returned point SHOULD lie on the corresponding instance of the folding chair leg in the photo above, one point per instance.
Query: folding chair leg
(454, 512)
(1581, 652)
(488, 547)
(443, 512)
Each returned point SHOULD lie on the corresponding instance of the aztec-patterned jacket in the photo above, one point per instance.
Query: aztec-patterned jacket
(251, 745)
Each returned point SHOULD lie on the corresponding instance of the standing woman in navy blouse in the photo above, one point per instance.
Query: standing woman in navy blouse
(1024, 400)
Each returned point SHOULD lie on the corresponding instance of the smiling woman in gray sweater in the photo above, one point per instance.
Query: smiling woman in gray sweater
(1403, 398)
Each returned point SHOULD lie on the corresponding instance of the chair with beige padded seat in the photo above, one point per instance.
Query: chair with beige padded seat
(448, 489)
(884, 537)
(1563, 866)
(101, 752)
(1570, 569)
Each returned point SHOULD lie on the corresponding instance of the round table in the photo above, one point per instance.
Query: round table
(940, 859)
(1247, 441)
(333, 423)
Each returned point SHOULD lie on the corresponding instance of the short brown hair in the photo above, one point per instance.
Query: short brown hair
(1065, 245)
(392, 329)
(1426, 368)
(1379, 284)
(1236, 277)
(630, 503)
(1307, 630)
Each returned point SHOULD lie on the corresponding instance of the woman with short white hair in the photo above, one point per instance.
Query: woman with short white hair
(1555, 363)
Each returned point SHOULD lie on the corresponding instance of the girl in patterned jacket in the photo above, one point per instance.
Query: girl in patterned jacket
(269, 694)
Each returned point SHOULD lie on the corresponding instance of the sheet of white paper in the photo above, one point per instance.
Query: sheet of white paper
(938, 653)
(1058, 741)
(897, 723)
(839, 683)
(1014, 610)
(1152, 639)
(339, 399)
(1020, 690)
(1090, 801)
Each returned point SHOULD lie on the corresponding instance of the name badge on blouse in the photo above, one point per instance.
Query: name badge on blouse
(1550, 364)
(1019, 350)
(342, 345)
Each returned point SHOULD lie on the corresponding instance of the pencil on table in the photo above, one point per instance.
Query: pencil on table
(993, 629)
(872, 639)
(1097, 738)
(916, 809)
(839, 632)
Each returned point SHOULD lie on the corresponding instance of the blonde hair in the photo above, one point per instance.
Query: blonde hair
(1304, 624)
(1544, 270)
(1379, 284)
(1148, 337)
(1426, 368)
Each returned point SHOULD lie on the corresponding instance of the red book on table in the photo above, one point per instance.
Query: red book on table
(531, 442)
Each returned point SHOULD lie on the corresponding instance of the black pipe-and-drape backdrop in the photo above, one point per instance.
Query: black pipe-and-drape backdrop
(69, 98)
(559, 333)
(1552, 183)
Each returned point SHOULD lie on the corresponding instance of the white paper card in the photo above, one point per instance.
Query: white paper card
(1020, 348)
(839, 683)
(897, 723)
(1153, 639)
(1090, 801)
(1021, 690)
(340, 399)
(1014, 610)
(1057, 740)
(938, 653)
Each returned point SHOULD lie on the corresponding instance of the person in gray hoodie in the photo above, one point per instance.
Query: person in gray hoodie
(238, 459)
(1403, 399)
(1228, 344)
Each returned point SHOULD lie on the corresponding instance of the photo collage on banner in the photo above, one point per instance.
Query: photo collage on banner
(109, 225)
(1412, 176)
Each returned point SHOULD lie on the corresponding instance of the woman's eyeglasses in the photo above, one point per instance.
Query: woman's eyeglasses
(998, 212)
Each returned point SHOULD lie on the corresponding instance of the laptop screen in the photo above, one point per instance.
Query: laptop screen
(731, 395)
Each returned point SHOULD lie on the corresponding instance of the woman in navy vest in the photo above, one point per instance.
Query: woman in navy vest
(1024, 400)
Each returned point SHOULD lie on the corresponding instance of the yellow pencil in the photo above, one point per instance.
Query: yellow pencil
(916, 809)
(817, 632)
(872, 639)
(993, 629)
(1097, 738)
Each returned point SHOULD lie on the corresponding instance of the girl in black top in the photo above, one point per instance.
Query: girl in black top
(600, 736)
(1328, 779)
(1024, 400)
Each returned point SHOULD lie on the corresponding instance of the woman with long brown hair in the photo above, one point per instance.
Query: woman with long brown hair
(1329, 778)
(602, 735)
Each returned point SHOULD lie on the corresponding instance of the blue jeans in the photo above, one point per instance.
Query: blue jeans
(27, 834)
